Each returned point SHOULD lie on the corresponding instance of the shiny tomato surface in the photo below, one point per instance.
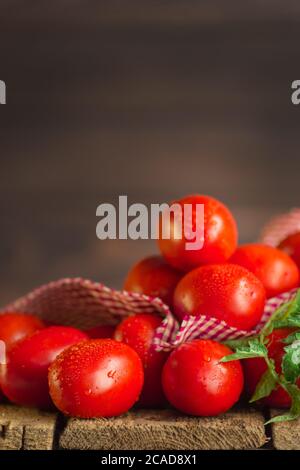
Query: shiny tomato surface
(15, 326)
(138, 332)
(24, 380)
(219, 235)
(276, 270)
(291, 246)
(154, 277)
(197, 383)
(96, 378)
(224, 291)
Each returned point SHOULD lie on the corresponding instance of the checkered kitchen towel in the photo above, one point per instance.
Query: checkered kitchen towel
(83, 304)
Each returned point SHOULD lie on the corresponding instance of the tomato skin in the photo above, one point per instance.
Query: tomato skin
(224, 291)
(153, 276)
(137, 331)
(96, 378)
(196, 383)
(276, 270)
(24, 379)
(291, 246)
(16, 326)
(101, 332)
(256, 367)
(220, 235)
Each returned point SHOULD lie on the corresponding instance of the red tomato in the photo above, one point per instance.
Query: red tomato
(256, 367)
(196, 383)
(154, 277)
(224, 291)
(97, 378)
(291, 246)
(16, 326)
(138, 331)
(220, 235)
(276, 270)
(24, 380)
(100, 332)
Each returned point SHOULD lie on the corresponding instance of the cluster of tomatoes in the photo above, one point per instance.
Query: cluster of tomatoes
(106, 370)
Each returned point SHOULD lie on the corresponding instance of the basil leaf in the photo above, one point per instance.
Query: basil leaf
(294, 411)
(268, 382)
(287, 315)
(253, 349)
(292, 337)
(291, 362)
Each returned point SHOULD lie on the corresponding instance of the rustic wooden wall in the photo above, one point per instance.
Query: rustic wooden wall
(150, 99)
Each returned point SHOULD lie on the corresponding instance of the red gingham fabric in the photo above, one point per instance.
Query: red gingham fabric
(280, 227)
(83, 304)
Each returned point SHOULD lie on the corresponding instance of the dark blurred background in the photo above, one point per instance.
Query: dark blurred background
(150, 99)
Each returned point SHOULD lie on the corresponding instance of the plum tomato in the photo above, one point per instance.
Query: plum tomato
(197, 383)
(100, 332)
(24, 379)
(220, 235)
(291, 246)
(96, 378)
(256, 367)
(16, 326)
(276, 270)
(224, 291)
(137, 331)
(154, 277)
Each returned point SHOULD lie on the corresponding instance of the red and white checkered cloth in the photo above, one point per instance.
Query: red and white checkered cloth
(83, 304)
(280, 227)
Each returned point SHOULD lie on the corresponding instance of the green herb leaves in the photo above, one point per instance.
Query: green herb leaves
(254, 348)
(286, 316)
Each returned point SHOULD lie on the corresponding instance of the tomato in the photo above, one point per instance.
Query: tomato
(96, 378)
(16, 326)
(220, 235)
(276, 270)
(102, 331)
(224, 291)
(256, 367)
(154, 277)
(138, 331)
(291, 246)
(24, 380)
(197, 383)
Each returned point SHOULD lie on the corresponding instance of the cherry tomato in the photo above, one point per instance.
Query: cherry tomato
(224, 291)
(138, 331)
(291, 246)
(220, 235)
(276, 270)
(197, 383)
(96, 378)
(16, 326)
(100, 332)
(154, 277)
(24, 380)
(256, 367)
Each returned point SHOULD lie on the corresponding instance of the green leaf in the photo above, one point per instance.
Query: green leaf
(294, 411)
(287, 315)
(253, 349)
(268, 382)
(238, 343)
(292, 337)
(291, 362)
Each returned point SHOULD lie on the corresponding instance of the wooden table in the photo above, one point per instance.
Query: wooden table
(30, 429)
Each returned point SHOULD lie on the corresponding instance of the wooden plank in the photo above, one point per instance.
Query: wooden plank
(166, 429)
(26, 428)
(286, 435)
